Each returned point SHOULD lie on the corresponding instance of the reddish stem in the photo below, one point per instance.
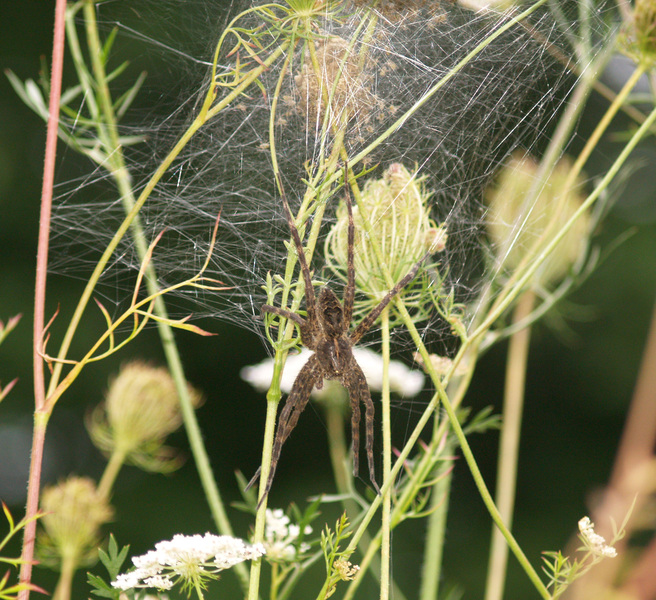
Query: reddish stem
(40, 418)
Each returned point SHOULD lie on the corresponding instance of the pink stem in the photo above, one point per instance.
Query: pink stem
(40, 419)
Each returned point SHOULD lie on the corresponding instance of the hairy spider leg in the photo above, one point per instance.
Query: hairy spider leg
(358, 390)
(370, 319)
(349, 290)
(310, 302)
(294, 406)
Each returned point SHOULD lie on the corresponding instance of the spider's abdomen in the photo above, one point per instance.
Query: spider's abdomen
(335, 356)
(330, 313)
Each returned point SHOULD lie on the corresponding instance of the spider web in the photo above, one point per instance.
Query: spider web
(505, 98)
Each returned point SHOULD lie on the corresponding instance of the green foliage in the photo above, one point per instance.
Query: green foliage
(7, 591)
(112, 560)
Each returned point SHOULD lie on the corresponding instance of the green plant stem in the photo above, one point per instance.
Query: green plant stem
(273, 398)
(337, 446)
(108, 133)
(385, 558)
(409, 492)
(114, 464)
(435, 534)
(341, 465)
(469, 456)
(65, 581)
(509, 444)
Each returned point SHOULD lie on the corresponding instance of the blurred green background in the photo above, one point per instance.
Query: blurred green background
(579, 385)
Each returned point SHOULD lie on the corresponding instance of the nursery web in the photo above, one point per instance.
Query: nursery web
(505, 98)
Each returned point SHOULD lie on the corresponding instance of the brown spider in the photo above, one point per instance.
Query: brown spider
(325, 330)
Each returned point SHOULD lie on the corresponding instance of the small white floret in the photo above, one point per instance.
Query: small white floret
(595, 542)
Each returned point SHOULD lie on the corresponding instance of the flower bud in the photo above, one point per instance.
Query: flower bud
(513, 226)
(397, 207)
(638, 37)
(140, 410)
(74, 512)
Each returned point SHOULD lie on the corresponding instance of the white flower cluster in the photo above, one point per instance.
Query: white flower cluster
(187, 558)
(593, 541)
(280, 537)
(403, 380)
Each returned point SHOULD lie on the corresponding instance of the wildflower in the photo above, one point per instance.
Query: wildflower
(513, 227)
(74, 512)
(140, 410)
(403, 380)
(345, 569)
(281, 537)
(191, 560)
(593, 541)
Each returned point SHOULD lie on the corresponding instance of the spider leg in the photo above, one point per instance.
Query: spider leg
(356, 384)
(349, 290)
(369, 320)
(287, 314)
(310, 302)
(296, 402)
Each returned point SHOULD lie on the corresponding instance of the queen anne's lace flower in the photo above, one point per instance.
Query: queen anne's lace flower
(403, 380)
(593, 541)
(189, 559)
(280, 537)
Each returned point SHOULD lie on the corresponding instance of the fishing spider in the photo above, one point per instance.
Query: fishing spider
(325, 330)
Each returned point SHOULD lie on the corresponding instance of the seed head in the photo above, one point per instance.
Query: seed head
(513, 226)
(397, 208)
(638, 37)
(74, 513)
(140, 410)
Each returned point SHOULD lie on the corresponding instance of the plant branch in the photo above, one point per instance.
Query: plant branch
(40, 421)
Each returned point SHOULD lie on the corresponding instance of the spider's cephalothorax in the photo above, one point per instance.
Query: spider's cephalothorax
(325, 330)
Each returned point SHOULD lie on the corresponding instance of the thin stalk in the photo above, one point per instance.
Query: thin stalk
(114, 464)
(509, 444)
(41, 418)
(385, 558)
(65, 581)
(469, 456)
(435, 533)
(341, 465)
(338, 447)
(410, 491)
(273, 398)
